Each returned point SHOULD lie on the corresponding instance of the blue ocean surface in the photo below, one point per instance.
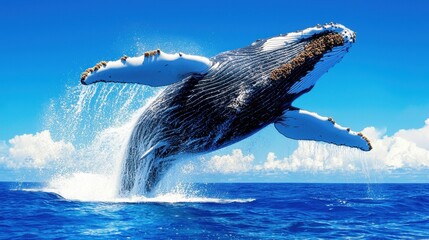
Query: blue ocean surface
(223, 211)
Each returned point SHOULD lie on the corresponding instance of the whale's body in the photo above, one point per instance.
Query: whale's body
(229, 97)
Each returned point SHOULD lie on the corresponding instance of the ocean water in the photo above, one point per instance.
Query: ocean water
(222, 211)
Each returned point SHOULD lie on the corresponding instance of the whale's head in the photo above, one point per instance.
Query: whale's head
(311, 52)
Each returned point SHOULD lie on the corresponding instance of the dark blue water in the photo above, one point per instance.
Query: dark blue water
(242, 211)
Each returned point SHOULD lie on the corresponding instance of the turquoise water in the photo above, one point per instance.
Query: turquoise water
(223, 211)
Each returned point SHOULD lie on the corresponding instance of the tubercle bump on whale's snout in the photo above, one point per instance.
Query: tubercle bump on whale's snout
(346, 33)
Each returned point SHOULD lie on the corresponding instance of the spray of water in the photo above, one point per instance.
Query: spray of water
(97, 120)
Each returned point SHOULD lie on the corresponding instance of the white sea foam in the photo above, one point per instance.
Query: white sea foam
(72, 189)
(84, 187)
(179, 198)
(87, 187)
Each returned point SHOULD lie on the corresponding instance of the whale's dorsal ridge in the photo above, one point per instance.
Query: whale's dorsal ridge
(155, 68)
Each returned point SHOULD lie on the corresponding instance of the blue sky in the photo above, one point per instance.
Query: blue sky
(383, 81)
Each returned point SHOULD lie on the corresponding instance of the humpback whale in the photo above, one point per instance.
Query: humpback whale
(210, 103)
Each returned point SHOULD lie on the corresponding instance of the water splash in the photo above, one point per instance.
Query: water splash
(76, 188)
(98, 121)
(84, 111)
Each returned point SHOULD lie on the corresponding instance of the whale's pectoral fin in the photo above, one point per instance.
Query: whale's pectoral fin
(154, 68)
(303, 125)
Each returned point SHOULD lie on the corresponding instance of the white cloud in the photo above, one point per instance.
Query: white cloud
(398, 152)
(234, 163)
(103, 154)
(34, 151)
(418, 136)
(406, 149)
(3, 151)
